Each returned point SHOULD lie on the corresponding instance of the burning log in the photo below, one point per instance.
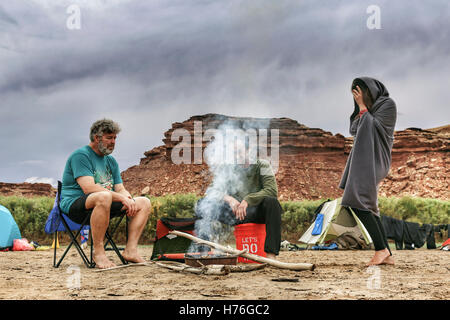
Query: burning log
(217, 270)
(212, 269)
(197, 260)
(274, 263)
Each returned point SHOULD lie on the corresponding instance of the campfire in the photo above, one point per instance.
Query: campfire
(221, 262)
(202, 259)
(233, 252)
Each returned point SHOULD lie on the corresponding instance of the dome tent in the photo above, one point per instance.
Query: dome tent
(335, 220)
(9, 231)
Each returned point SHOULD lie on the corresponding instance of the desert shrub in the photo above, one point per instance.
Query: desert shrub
(297, 217)
(414, 209)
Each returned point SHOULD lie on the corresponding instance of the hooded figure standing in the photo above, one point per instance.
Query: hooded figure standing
(372, 125)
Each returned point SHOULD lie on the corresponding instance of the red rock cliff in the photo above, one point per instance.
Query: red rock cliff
(311, 162)
(27, 189)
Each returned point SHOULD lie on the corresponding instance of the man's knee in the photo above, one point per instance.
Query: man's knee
(272, 206)
(144, 204)
(102, 199)
(99, 200)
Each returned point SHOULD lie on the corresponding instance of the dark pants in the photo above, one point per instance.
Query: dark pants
(375, 228)
(78, 212)
(268, 212)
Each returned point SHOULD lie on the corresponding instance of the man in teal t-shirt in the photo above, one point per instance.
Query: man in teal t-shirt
(92, 187)
(85, 162)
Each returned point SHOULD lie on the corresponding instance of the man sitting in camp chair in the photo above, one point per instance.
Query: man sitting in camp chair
(92, 184)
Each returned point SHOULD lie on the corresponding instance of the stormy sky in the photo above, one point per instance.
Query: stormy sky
(149, 63)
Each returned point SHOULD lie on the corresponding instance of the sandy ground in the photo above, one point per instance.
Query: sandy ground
(418, 274)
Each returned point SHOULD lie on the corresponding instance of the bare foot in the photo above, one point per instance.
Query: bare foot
(132, 256)
(379, 257)
(102, 261)
(389, 260)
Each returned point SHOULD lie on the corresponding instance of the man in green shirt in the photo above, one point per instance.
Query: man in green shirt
(91, 185)
(244, 193)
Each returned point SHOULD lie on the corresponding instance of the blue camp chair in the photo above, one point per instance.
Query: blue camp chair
(58, 221)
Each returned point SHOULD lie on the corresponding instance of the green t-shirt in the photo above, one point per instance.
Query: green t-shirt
(252, 184)
(258, 182)
(85, 162)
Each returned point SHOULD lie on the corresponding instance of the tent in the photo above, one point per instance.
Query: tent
(9, 231)
(332, 221)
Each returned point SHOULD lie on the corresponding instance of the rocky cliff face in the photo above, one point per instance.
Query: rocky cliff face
(421, 164)
(311, 161)
(27, 189)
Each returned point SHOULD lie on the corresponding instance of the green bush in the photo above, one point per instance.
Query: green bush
(297, 217)
(419, 210)
(31, 213)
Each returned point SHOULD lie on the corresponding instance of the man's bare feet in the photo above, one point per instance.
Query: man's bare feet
(102, 261)
(379, 257)
(132, 256)
(389, 260)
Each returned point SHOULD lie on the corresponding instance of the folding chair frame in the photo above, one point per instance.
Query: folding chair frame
(89, 262)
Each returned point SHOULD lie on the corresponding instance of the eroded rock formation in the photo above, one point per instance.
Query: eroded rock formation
(27, 189)
(311, 161)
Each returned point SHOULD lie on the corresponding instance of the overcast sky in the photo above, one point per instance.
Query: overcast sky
(149, 63)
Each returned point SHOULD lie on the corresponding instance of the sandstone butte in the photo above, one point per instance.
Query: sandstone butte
(311, 162)
(27, 189)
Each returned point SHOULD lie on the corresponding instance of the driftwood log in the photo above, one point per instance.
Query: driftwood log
(254, 257)
(124, 266)
(247, 267)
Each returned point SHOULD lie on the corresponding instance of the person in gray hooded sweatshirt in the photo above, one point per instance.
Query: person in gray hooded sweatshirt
(372, 125)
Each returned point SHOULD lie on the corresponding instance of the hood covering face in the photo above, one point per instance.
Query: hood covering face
(369, 160)
(377, 90)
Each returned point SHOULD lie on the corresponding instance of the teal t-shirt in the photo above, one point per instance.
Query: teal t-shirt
(85, 162)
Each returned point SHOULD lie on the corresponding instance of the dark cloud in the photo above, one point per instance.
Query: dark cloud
(5, 18)
(148, 64)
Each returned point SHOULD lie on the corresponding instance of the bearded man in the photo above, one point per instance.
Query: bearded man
(92, 185)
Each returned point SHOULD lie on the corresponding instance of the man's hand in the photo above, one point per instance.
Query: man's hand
(232, 202)
(358, 96)
(129, 206)
(241, 211)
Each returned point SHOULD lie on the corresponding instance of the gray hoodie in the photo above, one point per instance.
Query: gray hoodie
(369, 160)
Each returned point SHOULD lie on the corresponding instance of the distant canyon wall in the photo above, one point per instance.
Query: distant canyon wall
(311, 161)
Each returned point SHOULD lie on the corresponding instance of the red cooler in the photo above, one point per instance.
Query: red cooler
(250, 236)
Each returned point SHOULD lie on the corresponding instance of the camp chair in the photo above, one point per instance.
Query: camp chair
(170, 247)
(66, 222)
